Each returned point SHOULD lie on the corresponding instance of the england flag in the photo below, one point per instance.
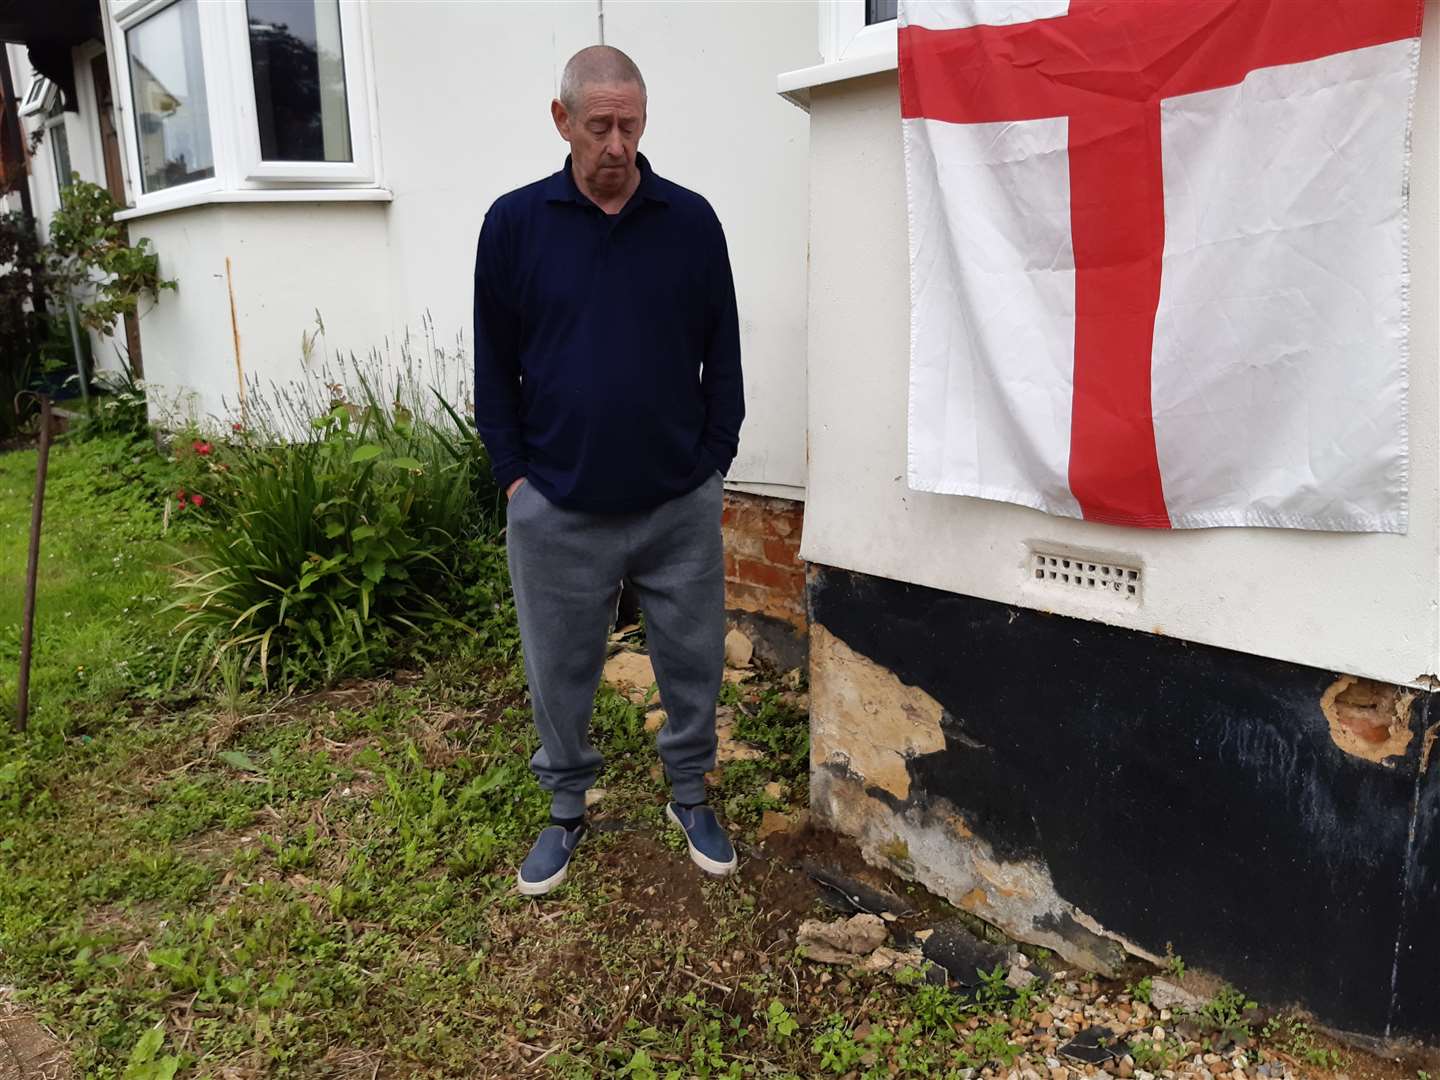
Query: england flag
(1158, 257)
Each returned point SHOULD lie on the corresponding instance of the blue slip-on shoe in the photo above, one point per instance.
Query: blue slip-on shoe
(545, 867)
(710, 848)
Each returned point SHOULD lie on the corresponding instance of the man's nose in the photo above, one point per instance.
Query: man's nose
(615, 145)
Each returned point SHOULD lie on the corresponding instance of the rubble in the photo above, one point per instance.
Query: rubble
(773, 822)
(886, 960)
(739, 650)
(843, 941)
(728, 747)
(1165, 994)
(632, 674)
(963, 955)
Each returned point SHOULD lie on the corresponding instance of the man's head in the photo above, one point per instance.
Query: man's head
(601, 114)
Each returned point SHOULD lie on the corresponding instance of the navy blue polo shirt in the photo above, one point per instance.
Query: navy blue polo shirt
(607, 347)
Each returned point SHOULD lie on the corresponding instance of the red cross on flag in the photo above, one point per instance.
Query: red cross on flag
(1158, 263)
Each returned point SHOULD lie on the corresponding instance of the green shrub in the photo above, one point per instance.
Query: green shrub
(328, 548)
(92, 260)
(22, 326)
(118, 408)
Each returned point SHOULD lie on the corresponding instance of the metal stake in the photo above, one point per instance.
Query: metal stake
(27, 627)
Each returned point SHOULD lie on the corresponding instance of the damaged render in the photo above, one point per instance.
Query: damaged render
(1367, 718)
(1096, 790)
(866, 725)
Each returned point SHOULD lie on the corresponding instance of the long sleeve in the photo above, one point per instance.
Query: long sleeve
(497, 355)
(721, 380)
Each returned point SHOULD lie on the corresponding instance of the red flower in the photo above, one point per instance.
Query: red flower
(198, 499)
(237, 426)
(202, 448)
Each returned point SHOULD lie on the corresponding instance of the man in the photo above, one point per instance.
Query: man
(608, 392)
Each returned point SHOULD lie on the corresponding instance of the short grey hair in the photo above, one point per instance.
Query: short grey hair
(596, 64)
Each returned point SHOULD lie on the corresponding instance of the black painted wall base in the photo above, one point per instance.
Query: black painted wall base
(776, 642)
(1178, 794)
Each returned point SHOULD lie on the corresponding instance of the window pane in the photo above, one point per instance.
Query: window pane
(167, 79)
(38, 85)
(60, 148)
(299, 66)
(880, 10)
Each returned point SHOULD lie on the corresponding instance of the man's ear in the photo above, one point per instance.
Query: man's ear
(561, 118)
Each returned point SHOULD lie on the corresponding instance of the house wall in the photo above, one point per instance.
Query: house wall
(1100, 792)
(1204, 766)
(463, 93)
(1365, 604)
(764, 577)
(83, 134)
(279, 264)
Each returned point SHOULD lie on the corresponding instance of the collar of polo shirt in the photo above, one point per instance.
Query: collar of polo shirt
(562, 188)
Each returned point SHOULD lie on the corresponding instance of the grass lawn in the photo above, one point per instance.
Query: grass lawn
(196, 883)
(102, 577)
(320, 885)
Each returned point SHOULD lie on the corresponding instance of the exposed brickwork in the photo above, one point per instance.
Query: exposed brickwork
(763, 571)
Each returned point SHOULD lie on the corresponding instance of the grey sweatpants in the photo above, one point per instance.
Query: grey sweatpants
(566, 567)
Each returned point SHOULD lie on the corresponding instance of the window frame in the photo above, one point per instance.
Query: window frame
(39, 96)
(240, 174)
(360, 169)
(51, 123)
(128, 18)
(845, 35)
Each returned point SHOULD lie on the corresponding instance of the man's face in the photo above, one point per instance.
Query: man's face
(604, 134)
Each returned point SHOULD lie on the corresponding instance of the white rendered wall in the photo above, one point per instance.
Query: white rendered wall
(1365, 604)
(287, 261)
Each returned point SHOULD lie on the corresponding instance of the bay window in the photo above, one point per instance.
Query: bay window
(230, 101)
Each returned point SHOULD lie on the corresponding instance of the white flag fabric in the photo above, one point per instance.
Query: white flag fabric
(1158, 257)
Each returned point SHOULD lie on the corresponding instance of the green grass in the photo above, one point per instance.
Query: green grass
(190, 884)
(102, 579)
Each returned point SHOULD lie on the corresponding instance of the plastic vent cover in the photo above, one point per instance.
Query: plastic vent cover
(1083, 575)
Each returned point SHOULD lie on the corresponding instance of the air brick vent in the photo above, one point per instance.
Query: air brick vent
(1059, 572)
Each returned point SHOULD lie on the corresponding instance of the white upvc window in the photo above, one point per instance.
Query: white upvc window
(857, 38)
(39, 97)
(59, 139)
(235, 99)
(301, 87)
(850, 29)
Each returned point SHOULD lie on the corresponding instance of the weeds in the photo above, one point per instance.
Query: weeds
(1174, 963)
(1293, 1035)
(1154, 1055)
(1225, 1014)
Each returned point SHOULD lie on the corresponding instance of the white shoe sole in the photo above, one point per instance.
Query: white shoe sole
(540, 888)
(699, 858)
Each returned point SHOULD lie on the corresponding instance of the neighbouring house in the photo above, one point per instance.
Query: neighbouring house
(1229, 752)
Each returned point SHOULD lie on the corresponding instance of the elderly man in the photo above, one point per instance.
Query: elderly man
(608, 392)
